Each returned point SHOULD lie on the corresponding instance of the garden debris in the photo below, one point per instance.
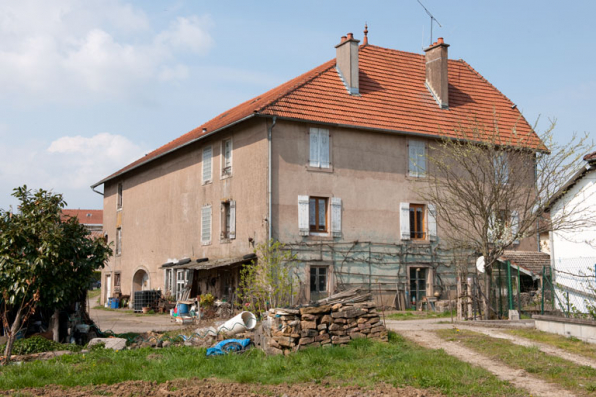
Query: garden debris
(229, 346)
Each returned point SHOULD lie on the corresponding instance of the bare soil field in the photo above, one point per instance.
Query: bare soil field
(215, 388)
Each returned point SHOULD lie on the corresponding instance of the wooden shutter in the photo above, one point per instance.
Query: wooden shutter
(432, 222)
(336, 216)
(206, 225)
(207, 155)
(232, 219)
(314, 148)
(515, 225)
(324, 148)
(404, 220)
(417, 158)
(303, 215)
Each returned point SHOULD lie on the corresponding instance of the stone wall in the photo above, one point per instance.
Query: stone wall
(287, 330)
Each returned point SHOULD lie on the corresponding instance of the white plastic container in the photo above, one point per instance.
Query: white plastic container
(240, 323)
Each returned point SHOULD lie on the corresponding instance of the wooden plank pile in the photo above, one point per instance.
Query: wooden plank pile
(326, 323)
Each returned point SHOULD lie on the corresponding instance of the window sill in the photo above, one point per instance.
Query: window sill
(416, 177)
(225, 241)
(209, 182)
(225, 176)
(319, 169)
(205, 242)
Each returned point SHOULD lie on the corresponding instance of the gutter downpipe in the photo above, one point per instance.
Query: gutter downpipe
(269, 189)
(93, 188)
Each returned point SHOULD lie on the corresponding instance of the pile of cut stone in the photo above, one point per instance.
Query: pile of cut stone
(322, 324)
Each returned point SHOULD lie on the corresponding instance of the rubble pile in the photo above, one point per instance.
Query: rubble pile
(321, 325)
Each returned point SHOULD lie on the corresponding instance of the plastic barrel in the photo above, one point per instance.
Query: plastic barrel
(182, 309)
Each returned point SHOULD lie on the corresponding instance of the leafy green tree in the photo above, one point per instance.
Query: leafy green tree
(269, 281)
(44, 262)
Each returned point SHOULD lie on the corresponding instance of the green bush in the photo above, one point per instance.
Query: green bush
(38, 344)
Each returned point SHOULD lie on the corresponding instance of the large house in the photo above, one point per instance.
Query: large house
(324, 163)
(573, 249)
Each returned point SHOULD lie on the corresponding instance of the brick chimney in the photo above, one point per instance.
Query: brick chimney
(347, 62)
(436, 72)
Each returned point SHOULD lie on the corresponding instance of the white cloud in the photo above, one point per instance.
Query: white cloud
(68, 165)
(74, 51)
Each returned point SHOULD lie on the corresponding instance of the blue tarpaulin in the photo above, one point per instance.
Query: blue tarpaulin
(228, 346)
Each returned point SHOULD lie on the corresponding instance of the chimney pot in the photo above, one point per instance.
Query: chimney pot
(350, 36)
(440, 40)
(343, 38)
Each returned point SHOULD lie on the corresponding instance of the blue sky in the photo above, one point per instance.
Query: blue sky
(88, 86)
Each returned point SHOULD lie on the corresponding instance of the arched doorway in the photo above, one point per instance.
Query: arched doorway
(140, 281)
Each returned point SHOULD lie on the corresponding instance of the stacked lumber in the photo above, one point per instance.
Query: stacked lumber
(323, 325)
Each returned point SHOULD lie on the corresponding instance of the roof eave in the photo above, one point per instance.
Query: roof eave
(114, 176)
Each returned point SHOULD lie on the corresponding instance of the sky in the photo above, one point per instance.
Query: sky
(87, 87)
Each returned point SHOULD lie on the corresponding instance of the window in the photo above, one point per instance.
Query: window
(418, 221)
(226, 169)
(319, 148)
(417, 158)
(119, 203)
(116, 279)
(119, 241)
(317, 214)
(207, 156)
(169, 282)
(417, 224)
(228, 220)
(318, 282)
(181, 279)
(206, 225)
(501, 167)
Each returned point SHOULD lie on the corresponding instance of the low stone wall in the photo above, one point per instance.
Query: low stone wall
(578, 328)
(287, 330)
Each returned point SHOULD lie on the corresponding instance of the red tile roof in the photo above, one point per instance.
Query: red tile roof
(86, 217)
(393, 97)
(529, 260)
(590, 156)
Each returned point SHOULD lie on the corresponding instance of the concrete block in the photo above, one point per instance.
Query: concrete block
(513, 315)
(109, 343)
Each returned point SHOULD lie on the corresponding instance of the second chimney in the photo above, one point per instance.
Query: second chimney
(436, 72)
(347, 62)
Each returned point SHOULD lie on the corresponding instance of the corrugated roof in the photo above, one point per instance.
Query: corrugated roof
(393, 97)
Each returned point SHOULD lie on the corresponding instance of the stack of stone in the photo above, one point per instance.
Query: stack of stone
(320, 326)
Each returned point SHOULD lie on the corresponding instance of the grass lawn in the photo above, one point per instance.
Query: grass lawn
(577, 378)
(416, 315)
(363, 362)
(570, 344)
(93, 293)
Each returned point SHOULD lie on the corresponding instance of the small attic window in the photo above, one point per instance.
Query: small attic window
(88, 215)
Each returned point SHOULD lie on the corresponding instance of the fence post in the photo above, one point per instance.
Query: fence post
(500, 292)
(543, 281)
(509, 286)
(518, 291)
(552, 286)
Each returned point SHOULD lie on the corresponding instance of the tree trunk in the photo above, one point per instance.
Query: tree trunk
(56, 326)
(16, 325)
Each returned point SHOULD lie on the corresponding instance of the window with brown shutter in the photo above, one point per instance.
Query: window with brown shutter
(318, 219)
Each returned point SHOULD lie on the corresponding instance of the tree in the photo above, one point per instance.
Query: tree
(43, 262)
(490, 192)
(269, 280)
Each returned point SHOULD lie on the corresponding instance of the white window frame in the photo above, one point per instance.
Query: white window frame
(207, 177)
(418, 149)
(181, 282)
(333, 214)
(169, 281)
(228, 220)
(430, 222)
(206, 239)
(318, 157)
(226, 168)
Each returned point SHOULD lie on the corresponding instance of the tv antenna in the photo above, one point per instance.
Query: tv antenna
(432, 18)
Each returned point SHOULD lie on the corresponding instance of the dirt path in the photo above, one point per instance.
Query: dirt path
(548, 349)
(519, 378)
